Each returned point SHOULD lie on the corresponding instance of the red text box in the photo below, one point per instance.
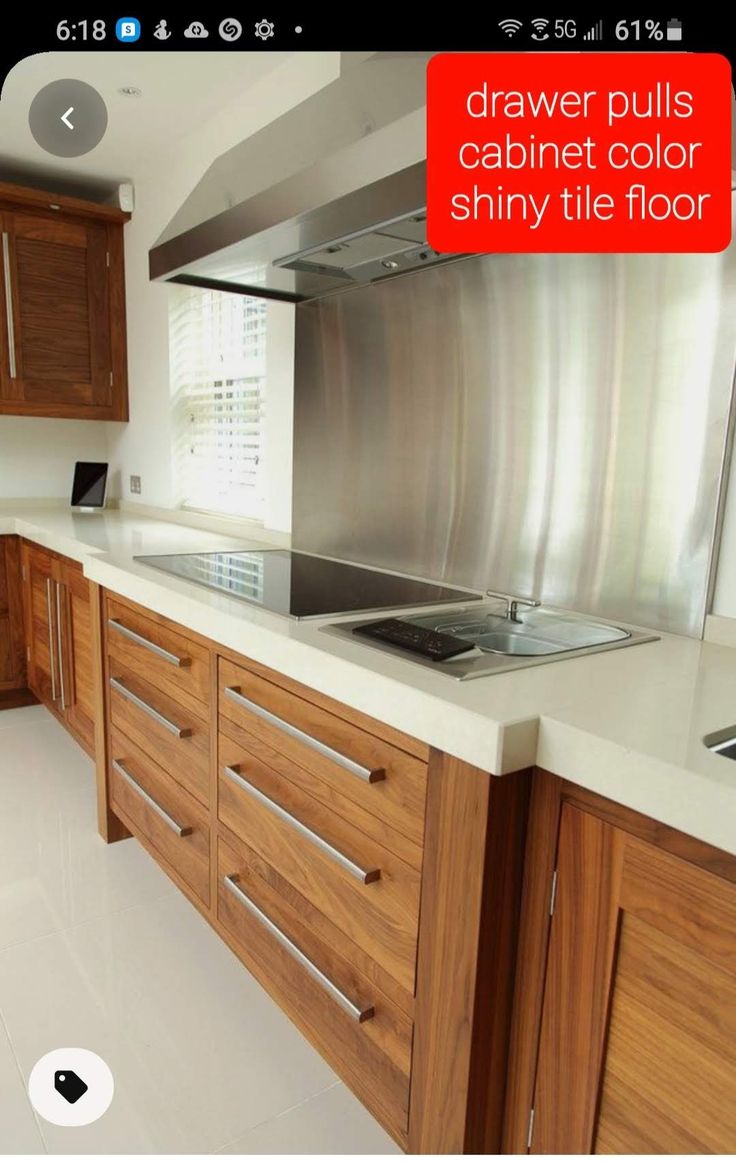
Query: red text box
(579, 152)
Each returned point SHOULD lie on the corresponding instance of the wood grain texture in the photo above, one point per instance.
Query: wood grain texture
(187, 759)
(531, 960)
(364, 722)
(372, 1057)
(79, 661)
(109, 825)
(398, 799)
(697, 852)
(579, 971)
(669, 1080)
(189, 854)
(380, 917)
(40, 568)
(13, 671)
(15, 197)
(69, 347)
(452, 1068)
(189, 683)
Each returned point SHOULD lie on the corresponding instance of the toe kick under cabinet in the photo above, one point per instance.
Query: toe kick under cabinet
(347, 865)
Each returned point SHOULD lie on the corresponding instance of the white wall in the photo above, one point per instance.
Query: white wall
(37, 456)
(724, 598)
(143, 446)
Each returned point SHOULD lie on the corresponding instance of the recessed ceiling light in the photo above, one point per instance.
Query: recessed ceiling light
(130, 91)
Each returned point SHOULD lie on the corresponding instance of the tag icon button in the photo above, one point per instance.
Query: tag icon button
(69, 1085)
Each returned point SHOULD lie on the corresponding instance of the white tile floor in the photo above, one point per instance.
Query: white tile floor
(98, 949)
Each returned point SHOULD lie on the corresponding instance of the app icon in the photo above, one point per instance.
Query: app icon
(71, 1087)
(161, 31)
(196, 31)
(128, 29)
(230, 28)
(264, 29)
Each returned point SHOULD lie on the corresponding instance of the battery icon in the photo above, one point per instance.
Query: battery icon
(674, 30)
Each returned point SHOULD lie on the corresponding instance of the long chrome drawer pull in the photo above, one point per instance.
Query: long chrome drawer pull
(167, 819)
(370, 776)
(147, 644)
(361, 874)
(355, 1011)
(126, 692)
(9, 306)
(60, 641)
(52, 654)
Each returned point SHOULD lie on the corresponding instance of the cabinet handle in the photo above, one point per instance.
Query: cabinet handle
(60, 644)
(147, 644)
(360, 1014)
(52, 650)
(9, 305)
(126, 692)
(361, 874)
(364, 773)
(153, 805)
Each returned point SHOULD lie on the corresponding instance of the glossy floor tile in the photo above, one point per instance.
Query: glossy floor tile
(55, 870)
(99, 950)
(19, 1133)
(331, 1123)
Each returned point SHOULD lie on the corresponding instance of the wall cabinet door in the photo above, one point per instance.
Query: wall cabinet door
(638, 1039)
(63, 344)
(12, 638)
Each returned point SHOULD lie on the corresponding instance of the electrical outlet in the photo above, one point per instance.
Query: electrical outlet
(135, 484)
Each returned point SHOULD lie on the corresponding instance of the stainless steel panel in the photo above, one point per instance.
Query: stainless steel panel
(548, 425)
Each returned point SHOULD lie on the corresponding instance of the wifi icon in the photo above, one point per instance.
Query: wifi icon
(510, 27)
(540, 29)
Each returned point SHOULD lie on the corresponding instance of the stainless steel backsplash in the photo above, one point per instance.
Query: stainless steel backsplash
(550, 425)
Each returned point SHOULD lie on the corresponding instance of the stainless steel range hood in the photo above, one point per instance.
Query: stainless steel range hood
(329, 196)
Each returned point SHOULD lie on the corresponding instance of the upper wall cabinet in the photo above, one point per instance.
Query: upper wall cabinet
(62, 328)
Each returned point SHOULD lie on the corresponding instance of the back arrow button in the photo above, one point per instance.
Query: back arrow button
(65, 117)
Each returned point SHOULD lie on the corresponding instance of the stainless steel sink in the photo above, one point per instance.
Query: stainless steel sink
(722, 742)
(535, 632)
(501, 643)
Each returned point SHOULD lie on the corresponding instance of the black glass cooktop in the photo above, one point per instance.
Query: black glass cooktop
(300, 585)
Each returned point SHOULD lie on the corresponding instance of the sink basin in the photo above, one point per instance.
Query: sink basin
(537, 631)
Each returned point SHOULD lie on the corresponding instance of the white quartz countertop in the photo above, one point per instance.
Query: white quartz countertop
(626, 723)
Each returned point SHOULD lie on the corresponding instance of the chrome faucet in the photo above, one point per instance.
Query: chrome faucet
(512, 604)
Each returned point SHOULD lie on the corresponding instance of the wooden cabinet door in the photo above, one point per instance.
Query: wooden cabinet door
(59, 354)
(76, 654)
(40, 571)
(12, 637)
(638, 1041)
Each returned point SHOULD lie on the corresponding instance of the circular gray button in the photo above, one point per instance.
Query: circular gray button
(68, 118)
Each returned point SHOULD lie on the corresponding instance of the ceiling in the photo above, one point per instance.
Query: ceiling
(180, 91)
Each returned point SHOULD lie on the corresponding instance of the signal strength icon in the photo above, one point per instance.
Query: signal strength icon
(510, 27)
(595, 33)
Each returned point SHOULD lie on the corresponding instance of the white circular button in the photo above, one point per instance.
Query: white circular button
(71, 1087)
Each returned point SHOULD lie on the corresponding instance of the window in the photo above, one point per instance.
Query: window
(218, 379)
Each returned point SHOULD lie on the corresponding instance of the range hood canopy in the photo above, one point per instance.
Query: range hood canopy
(331, 195)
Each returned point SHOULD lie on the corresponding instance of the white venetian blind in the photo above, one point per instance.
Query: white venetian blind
(218, 368)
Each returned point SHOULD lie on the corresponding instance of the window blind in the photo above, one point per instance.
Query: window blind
(218, 373)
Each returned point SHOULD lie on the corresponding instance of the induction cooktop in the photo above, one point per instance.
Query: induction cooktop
(300, 585)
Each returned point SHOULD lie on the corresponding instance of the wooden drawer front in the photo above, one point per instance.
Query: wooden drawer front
(159, 654)
(174, 822)
(174, 737)
(366, 891)
(396, 791)
(373, 1054)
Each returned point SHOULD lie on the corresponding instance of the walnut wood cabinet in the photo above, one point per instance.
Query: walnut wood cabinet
(625, 1033)
(62, 308)
(370, 884)
(61, 662)
(13, 691)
